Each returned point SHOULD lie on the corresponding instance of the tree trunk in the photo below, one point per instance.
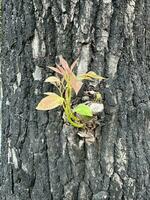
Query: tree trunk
(42, 157)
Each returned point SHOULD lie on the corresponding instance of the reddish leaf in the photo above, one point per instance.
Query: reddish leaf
(56, 70)
(75, 83)
(74, 64)
(65, 65)
(60, 69)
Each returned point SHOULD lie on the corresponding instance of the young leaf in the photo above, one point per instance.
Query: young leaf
(75, 83)
(56, 70)
(84, 77)
(74, 64)
(65, 65)
(90, 75)
(53, 80)
(60, 69)
(69, 75)
(50, 102)
(83, 109)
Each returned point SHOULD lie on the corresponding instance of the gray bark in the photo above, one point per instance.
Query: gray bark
(43, 158)
(0, 80)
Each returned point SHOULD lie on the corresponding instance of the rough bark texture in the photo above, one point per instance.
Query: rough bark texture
(0, 81)
(43, 158)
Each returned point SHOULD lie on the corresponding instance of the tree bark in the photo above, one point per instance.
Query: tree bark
(42, 157)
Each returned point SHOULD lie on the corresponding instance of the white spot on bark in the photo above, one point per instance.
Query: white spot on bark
(64, 139)
(7, 102)
(65, 20)
(81, 142)
(9, 152)
(62, 6)
(35, 45)
(9, 156)
(64, 147)
(96, 107)
(105, 37)
(93, 173)
(14, 158)
(109, 159)
(36, 91)
(18, 78)
(24, 167)
(85, 59)
(43, 49)
(107, 1)
(42, 140)
(15, 87)
(112, 64)
(37, 75)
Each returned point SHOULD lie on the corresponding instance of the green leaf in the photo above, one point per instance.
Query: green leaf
(83, 109)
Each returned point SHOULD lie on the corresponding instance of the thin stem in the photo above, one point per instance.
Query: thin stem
(78, 125)
(59, 89)
(68, 103)
(72, 119)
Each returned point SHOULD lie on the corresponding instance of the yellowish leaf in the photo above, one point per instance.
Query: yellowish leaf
(90, 75)
(53, 80)
(84, 77)
(50, 102)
